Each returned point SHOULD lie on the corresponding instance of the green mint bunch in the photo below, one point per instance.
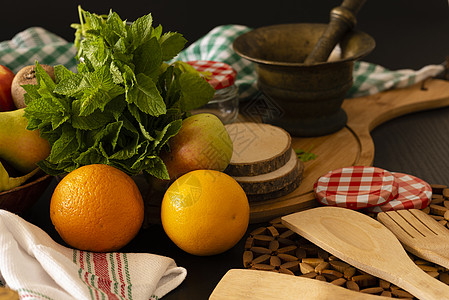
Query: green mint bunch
(124, 102)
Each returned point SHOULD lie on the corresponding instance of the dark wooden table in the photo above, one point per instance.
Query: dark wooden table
(409, 34)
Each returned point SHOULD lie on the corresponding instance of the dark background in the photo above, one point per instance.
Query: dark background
(408, 33)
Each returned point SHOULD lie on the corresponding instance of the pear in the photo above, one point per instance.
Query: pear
(201, 143)
(20, 147)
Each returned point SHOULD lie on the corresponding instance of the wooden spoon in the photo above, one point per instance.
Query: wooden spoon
(366, 244)
(262, 285)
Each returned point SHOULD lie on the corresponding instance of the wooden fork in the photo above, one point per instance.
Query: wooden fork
(419, 233)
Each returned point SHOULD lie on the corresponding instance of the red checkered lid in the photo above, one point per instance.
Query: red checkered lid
(222, 75)
(413, 192)
(356, 187)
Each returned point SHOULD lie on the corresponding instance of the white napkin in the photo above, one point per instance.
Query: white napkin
(39, 268)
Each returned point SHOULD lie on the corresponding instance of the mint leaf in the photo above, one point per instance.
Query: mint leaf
(145, 95)
(70, 85)
(171, 44)
(98, 89)
(141, 28)
(93, 121)
(158, 168)
(148, 58)
(305, 155)
(64, 146)
(195, 91)
(61, 73)
(44, 80)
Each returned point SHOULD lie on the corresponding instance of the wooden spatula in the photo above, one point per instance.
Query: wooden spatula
(366, 244)
(419, 233)
(238, 284)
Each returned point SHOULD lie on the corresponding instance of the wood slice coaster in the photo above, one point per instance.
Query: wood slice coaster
(273, 181)
(258, 148)
(279, 193)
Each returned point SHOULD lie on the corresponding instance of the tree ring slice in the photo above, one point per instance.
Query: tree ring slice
(273, 181)
(258, 148)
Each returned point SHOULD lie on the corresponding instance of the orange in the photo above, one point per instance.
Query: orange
(97, 208)
(205, 212)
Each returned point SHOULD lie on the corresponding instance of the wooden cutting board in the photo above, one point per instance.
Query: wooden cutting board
(353, 144)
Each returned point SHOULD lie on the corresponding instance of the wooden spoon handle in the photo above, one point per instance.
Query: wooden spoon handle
(423, 286)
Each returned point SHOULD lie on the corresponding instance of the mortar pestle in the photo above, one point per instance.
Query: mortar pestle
(295, 75)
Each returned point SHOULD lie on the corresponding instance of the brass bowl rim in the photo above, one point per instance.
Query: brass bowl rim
(368, 48)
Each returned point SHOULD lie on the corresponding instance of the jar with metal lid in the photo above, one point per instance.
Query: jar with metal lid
(225, 103)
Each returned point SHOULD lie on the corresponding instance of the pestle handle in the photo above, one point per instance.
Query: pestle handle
(342, 19)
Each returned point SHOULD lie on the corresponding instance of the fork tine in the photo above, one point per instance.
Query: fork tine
(417, 221)
(398, 225)
(429, 222)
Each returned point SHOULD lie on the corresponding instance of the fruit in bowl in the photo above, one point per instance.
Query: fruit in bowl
(28, 189)
(21, 181)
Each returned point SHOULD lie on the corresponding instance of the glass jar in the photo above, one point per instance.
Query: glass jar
(225, 103)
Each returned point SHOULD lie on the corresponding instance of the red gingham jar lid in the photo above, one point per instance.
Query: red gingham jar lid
(222, 75)
(413, 192)
(356, 187)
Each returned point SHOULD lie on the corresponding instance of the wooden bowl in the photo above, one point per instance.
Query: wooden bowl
(21, 198)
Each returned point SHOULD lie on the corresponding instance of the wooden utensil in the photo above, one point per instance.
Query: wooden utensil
(419, 233)
(366, 244)
(263, 285)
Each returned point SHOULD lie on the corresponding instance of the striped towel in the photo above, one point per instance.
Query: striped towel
(37, 267)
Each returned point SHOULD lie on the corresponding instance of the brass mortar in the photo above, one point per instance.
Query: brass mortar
(308, 96)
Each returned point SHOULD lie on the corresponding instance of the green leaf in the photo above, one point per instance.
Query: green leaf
(61, 72)
(64, 146)
(148, 58)
(109, 135)
(141, 28)
(70, 85)
(114, 29)
(92, 156)
(171, 44)
(55, 169)
(93, 121)
(145, 95)
(157, 32)
(43, 79)
(196, 91)
(158, 169)
(98, 89)
(305, 155)
(32, 91)
(168, 132)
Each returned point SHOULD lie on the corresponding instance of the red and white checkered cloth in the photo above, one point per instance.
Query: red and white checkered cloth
(356, 187)
(413, 192)
(223, 75)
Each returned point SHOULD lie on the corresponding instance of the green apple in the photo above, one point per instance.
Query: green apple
(20, 147)
(201, 143)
